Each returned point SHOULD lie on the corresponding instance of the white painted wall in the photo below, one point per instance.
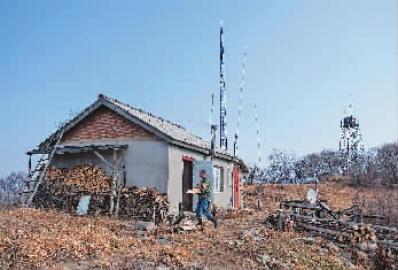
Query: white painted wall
(146, 161)
(176, 166)
(147, 164)
(174, 188)
(224, 199)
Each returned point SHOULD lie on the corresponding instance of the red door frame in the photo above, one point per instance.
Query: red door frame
(236, 187)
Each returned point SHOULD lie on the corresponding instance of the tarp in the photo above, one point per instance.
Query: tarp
(82, 208)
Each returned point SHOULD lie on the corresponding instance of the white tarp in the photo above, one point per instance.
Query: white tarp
(82, 207)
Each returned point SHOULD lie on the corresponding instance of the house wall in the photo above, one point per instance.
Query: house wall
(174, 187)
(147, 164)
(68, 160)
(145, 160)
(176, 166)
(224, 199)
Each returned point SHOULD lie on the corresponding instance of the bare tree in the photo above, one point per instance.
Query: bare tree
(387, 159)
(376, 165)
(281, 168)
(11, 187)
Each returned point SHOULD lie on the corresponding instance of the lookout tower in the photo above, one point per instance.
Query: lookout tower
(351, 144)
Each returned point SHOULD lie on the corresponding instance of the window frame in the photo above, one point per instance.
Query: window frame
(219, 181)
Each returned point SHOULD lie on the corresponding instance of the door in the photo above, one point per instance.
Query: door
(187, 184)
(236, 187)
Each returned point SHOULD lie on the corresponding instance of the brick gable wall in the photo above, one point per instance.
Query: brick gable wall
(103, 123)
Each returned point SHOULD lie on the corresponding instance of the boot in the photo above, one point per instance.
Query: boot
(215, 222)
(200, 222)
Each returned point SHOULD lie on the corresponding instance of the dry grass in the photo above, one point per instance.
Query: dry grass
(339, 196)
(36, 238)
(31, 239)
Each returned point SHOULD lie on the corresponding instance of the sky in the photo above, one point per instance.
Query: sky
(306, 61)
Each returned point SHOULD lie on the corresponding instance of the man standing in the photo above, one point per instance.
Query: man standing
(204, 200)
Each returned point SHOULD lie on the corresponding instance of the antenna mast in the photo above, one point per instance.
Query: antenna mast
(258, 136)
(223, 101)
(213, 127)
(236, 147)
(211, 110)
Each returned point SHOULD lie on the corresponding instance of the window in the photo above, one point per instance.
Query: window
(218, 174)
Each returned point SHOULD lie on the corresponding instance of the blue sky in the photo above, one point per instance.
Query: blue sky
(304, 60)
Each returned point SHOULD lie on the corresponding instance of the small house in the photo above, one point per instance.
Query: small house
(147, 150)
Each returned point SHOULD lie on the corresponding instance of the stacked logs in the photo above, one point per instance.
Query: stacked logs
(64, 188)
(86, 177)
(145, 203)
(56, 195)
(362, 232)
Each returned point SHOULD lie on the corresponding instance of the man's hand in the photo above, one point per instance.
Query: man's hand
(204, 186)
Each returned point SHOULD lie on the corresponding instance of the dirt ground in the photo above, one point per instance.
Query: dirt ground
(39, 239)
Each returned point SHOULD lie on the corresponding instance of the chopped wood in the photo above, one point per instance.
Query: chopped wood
(86, 177)
(193, 191)
(64, 188)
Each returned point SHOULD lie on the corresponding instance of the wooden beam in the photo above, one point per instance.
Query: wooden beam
(103, 159)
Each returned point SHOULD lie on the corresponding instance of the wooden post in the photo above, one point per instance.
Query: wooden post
(119, 188)
(30, 165)
(280, 222)
(154, 214)
(260, 204)
(113, 183)
(241, 195)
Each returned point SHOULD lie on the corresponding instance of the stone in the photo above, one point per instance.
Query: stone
(348, 264)
(145, 226)
(162, 267)
(163, 241)
(367, 246)
(307, 240)
(332, 248)
(263, 259)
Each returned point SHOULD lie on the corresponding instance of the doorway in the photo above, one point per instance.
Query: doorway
(187, 183)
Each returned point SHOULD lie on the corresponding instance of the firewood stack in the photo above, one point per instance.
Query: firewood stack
(86, 177)
(55, 195)
(362, 232)
(64, 188)
(143, 203)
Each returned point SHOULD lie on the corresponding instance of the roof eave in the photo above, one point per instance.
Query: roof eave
(205, 151)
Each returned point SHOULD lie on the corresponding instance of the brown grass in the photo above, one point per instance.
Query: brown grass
(338, 195)
(52, 240)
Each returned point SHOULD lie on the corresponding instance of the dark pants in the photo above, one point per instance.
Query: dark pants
(203, 208)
